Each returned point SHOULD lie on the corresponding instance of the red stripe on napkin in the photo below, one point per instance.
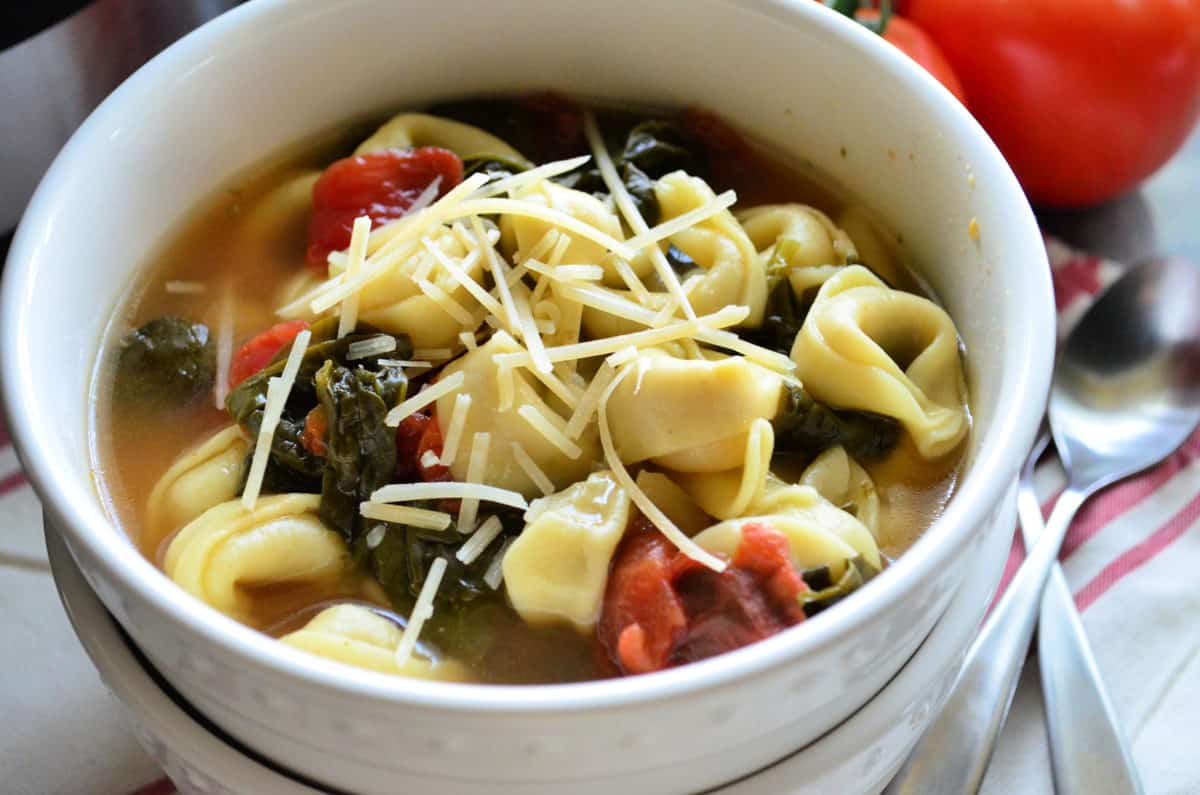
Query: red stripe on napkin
(1079, 276)
(12, 482)
(1135, 557)
(1106, 506)
(161, 787)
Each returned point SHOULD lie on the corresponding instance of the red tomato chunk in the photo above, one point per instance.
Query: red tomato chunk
(261, 349)
(663, 609)
(382, 185)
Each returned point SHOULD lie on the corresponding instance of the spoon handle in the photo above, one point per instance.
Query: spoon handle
(953, 755)
(1088, 749)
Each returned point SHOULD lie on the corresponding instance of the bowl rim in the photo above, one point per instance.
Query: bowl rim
(73, 503)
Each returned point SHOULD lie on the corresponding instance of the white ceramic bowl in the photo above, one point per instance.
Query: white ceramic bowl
(804, 80)
(856, 758)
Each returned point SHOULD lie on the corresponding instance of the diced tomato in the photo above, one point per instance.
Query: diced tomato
(642, 619)
(316, 428)
(261, 349)
(765, 553)
(417, 434)
(726, 151)
(431, 441)
(663, 609)
(382, 185)
(556, 125)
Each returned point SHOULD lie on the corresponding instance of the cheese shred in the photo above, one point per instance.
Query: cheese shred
(454, 429)
(540, 423)
(474, 546)
(530, 468)
(443, 386)
(356, 254)
(422, 611)
(278, 389)
(476, 469)
(403, 514)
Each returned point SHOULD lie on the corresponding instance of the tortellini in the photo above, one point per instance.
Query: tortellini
(277, 222)
(520, 234)
(728, 494)
(358, 636)
(691, 415)
(199, 479)
(419, 129)
(811, 245)
(557, 568)
(818, 533)
(225, 554)
(394, 302)
(729, 271)
(865, 346)
(841, 480)
(673, 501)
(483, 382)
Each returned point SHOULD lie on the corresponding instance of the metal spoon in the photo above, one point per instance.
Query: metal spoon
(1088, 750)
(1126, 393)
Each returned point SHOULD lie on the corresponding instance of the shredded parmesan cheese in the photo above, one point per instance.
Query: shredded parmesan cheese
(590, 400)
(371, 346)
(651, 511)
(443, 386)
(542, 172)
(539, 212)
(686, 221)
(467, 338)
(429, 459)
(476, 468)
(499, 276)
(616, 188)
(421, 612)
(375, 536)
(412, 492)
(728, 316)
(495, 570)
(454, 429)
(540, 423)
(530, 468)
(404, 514)
(278, 389)
(530, 334)
(357, 252)
(470, 551)
(448, 305)
(409, 363)
(625, 271)
(224, 349)
(583, 273)
(506, 386)
(185, 288)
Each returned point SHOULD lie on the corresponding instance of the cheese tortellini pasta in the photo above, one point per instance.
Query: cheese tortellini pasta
(802, 239)
(359, 636)
(840, 479)
(483, 382)
(558, 566)
(229, 552)
(199, 479)
(866, 346)
(691, 415)
(408, 130)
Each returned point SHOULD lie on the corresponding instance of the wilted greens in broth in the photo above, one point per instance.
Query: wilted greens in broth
(507, 392)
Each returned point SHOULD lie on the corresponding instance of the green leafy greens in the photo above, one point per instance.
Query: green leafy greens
(168, 361)
(805, 425)
(355, 396)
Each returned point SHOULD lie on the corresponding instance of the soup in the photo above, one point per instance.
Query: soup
(514, 391)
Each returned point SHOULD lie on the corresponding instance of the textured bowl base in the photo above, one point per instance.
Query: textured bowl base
(858, 757)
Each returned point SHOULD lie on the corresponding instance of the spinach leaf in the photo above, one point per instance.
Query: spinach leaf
(292, 467)
(783, 316)
(658, 147)
(166, 362)
(360, 450)
(804, 424)
(495, 165)
(652, 148)
(401, 560)
(824, 592)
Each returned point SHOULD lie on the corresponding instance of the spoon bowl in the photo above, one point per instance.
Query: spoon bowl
(1126, 390)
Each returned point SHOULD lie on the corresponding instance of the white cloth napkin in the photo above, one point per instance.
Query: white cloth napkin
(1131, 559)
